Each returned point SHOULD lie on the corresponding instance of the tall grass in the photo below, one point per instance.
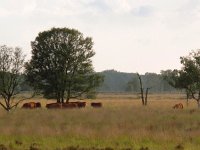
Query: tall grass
(120, 124)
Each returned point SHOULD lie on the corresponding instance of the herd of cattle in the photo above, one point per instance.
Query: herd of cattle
(32, 105)
(77, 104)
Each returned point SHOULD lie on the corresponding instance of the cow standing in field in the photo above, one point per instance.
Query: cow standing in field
(74, 105)
(54, 105)
(38, 105)
(178, 106)
(96, 105)
(31, 105)
(79, 104)
(66, 105)
(69, 105)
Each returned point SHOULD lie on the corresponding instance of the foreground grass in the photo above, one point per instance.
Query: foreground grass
(120, 124)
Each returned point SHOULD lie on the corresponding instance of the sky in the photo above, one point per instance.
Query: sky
(129, 35)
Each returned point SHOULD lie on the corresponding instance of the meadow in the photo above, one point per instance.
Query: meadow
(121, 124)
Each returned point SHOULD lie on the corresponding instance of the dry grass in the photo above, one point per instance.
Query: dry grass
(121, 123)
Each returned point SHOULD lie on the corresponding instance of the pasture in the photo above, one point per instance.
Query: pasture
(121, 124)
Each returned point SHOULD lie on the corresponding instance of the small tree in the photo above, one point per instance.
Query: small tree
(178, 79)
(190, 74)
(61, 65)
(11, 65)
(188, 77)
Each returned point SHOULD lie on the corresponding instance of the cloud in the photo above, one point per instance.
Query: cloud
(99, 6)
(136, 33)
(16, 8)
(143, 11)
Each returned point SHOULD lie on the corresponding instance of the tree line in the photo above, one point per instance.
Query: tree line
(115, 81)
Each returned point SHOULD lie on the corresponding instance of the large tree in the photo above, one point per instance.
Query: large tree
(11, 67)
(61, 65)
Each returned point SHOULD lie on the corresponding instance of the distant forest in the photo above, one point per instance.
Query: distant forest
(115, 81)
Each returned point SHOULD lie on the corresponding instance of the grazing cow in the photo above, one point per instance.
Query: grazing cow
(29, 105)
(79, 104)
(66, 105)
(54, 105)
(178, 106)
(38, 105)
(69, 105)
(96, 105)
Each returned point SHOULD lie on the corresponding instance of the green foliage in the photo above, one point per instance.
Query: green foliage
(172, 77)
(11, 66)
(190, 73)
(61, 65)
(188, 77)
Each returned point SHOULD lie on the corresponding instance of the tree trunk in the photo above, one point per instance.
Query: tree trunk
(7, 104)
(62, 96)
(58, 100)
(142, 96)
(68, 92)
(67, 99)
(68, 95)
(188, 97)
(58, 97)
(141, 89)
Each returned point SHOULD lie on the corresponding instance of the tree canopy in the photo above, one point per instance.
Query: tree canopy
(61, 65)
(11, 66)
(188, 77)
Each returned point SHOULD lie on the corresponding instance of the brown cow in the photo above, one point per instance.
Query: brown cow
(29, 105)
(69, 105)
(38, 105)
(96, 105)
(79, 104)
(54, 105)
(178, 106)
(66, 105)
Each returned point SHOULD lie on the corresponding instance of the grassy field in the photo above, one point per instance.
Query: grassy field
(122, 124)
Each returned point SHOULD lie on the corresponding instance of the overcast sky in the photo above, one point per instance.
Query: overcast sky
(129, 35)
